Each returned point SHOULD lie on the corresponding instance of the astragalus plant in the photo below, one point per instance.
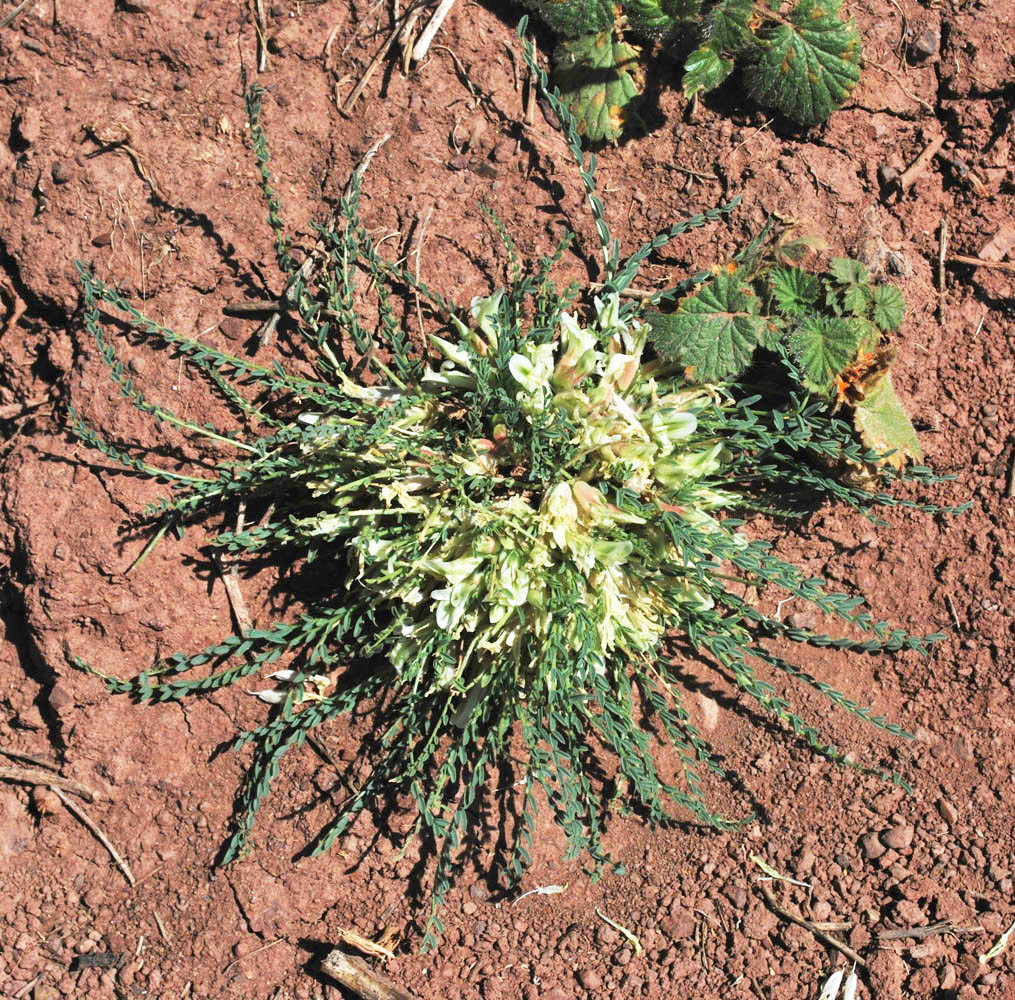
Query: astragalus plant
(514, 522)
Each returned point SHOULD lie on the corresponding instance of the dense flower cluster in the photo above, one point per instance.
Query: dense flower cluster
(488, 566)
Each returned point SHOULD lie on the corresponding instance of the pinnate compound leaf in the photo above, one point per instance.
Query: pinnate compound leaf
(889, 307)
(883, 424)
(808, 63)
(715, 331)
(572, 18)
(599, 77)
(704, 70)
(824, 346)
(796, 292)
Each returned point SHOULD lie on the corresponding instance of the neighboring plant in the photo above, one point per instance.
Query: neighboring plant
(511, 535)
(834, 325)
(800, 57)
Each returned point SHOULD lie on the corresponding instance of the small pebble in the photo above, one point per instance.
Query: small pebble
(62, 171)
(872, 847)
(925, 44)
(590, 979)
(947, 811)
(898, 837)
(285, 37)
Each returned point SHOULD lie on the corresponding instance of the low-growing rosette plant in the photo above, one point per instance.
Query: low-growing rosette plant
(514, 522)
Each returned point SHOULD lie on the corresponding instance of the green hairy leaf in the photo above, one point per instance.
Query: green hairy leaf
(654, 18)
(803, 60)
(846, 271)
(824, 346)
(888, 307)
(795, 291)
(728, 26)
(705, 69)
(599, 77)
(715, 331)
(571, 18)
(808, 63)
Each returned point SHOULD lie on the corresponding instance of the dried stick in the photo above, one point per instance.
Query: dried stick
(31, 776)
(99, 835)
(364, 945)
(162, 927)
(422, 46)
(941, 927)
(942, 251)
(355, 975)
(809, 925)
(382, 53)
(250, 954)
(32, 758)
(997, 265)
(908, 176)
(419, 251)
(13, 410)
(231, 580)
(14, 13)
(261, 29)
(235, 595)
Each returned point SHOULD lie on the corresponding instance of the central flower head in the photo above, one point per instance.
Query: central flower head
(574, 421)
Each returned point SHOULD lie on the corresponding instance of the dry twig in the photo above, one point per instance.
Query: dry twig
(422, 46)
(33, 758)
(941, 927)
(8, 18)
(942, 251)
(125, 141)
(97, 833)
(261, 29)
(809, 925)
(250, 954)
(162, 927)
(908, 176)
(997, 265)
(364, 945)
(30, 776)
(356, 976)
(382, 53)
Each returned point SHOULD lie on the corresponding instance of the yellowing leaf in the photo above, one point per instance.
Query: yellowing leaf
(883, 424)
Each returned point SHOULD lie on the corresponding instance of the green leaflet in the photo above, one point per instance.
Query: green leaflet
(795, 291)
(804, 62)
(704, 70)
(888, 307)
(883, 424)
(599, 77)
(809, 62)
(727, 26)
(572, 18)
(715, 331)
(654, 18)
(825, 346)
